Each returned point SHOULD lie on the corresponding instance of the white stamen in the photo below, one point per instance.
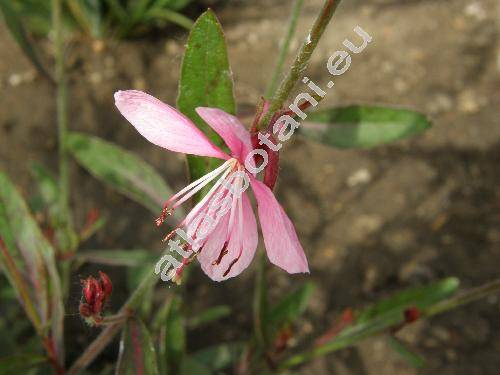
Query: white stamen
(202, 203)
(237, 185)
(197, 185)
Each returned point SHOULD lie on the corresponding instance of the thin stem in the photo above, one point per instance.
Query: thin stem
(62, 130)
(48, 344)
(364, 331)
(463, 298)
(62, 111)
(112, 319)
(301, 61)
(260, 302)
(292, 25)
(107, 335)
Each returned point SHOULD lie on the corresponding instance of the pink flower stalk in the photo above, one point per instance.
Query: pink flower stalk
(221, 229)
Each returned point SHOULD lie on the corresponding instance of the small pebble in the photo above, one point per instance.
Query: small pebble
(475, 10)
(95, 78)
(359, 177)
(469, 102)
(16, 79)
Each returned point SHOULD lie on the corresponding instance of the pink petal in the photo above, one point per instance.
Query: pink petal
(163, 125)
(231, 130)
(211, 251)
(282, 245)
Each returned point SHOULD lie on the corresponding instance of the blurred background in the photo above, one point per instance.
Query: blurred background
(371, 221)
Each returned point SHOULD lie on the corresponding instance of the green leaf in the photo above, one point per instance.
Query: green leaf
(137, 353)
(190, 366)
(137, 9)
(20, 363)
(161, 15)
(363, 126)
(413, 359)
(175, 337)
(135, 276)
(171, 4)
(13, 22)
(65, 237)
(87, 14)
(291, 306)
(116, 10)
(16, 269)
(206, 81)
(48, 190)
(209, 315)
(419, 297)
(381, 317)
(218, 357)
(90, 229)
(27, 255)
(118, 257)
(121, 170)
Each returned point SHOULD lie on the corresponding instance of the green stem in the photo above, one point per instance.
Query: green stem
(301, 61)
(260, 302)
(62, 130)
(292, 25)
(463, 298)
(62, 111)
(108, 333)
(362, 331)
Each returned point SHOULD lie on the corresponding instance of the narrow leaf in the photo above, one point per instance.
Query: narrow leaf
(120, 169)
(419, 297)
(209, 315)
(25, 291)
(190, 366)
(381, 317)
(291, 306)
(87, 15)
(206, 81)
(219, 357)
(135, 277)
(413, 359)
(48, 190)
(65, 237)
(13, 22)
(26, 245)
(137, 353)
(20, 363)
(175, 337)
(363, 126)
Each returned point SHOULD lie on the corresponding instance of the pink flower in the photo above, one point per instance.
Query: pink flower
(221, 228)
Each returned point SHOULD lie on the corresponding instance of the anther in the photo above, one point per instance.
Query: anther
(169, 236)
(164, 213)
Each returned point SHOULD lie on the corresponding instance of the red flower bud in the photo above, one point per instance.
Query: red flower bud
(85, 310)
(98, 302)
(106, 284)
(95, 295)
(89, 289)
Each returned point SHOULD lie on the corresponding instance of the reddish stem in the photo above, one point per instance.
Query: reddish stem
(50, 348)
